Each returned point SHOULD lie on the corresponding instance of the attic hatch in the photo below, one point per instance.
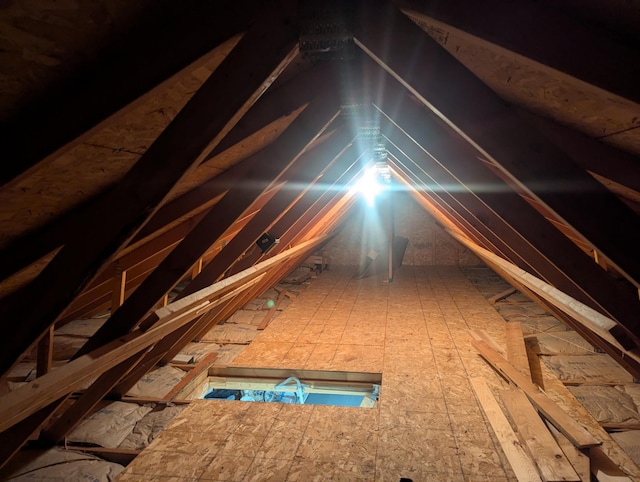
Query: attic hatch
(308, 387)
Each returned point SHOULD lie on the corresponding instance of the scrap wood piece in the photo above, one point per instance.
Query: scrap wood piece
(189, 377)
(604, 469)
(575, 432)
(522, 465)
(494, 299)
(482, 335)
(579, 461)
(545, 452)
(271, 312)
(610, 453)
(516, 349)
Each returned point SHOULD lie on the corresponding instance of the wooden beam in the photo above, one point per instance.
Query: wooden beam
(519, 460)
(298, 179)
(575, 432)
(45, 353)
(281, 102)
(446, 160)
(228, 93)
(589, 318)
(476, 113)
(276, 158)
(24, 401)
(593, 156)
(619, 355)
(91, 96)
(85, 405)
(309, 205)
(15, 436)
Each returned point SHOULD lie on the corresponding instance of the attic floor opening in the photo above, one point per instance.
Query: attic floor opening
(414, 331)
(310, 387)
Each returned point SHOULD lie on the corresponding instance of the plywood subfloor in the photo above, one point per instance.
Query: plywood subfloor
(427, 425)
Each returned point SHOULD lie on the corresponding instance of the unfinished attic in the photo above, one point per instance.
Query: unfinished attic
(320, 240)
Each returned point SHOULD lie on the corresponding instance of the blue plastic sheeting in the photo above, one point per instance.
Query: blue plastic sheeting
(335, 400)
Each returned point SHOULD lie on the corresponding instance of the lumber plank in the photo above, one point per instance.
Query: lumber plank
(500, 296)
(604, 469)
(545, 452)
(520, 461)
(83, 405)
(575, 432)
(482, 335)
(516, 350)
(579, 461)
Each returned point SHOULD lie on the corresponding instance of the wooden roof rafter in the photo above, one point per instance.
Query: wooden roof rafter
(486, 122)
(77, 263)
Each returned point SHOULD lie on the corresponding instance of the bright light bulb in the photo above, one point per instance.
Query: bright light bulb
(369, 186)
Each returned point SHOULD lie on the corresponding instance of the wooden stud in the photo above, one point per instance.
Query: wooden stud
(45, 353)
(15, 436)
(67, 421)
(119, 285)
(197, 269)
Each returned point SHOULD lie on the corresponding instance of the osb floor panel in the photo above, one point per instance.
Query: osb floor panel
(427, 425)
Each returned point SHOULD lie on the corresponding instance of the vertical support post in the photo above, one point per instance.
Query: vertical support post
(391, 233)
(197, 268)
(45, 353)
(119, 283)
